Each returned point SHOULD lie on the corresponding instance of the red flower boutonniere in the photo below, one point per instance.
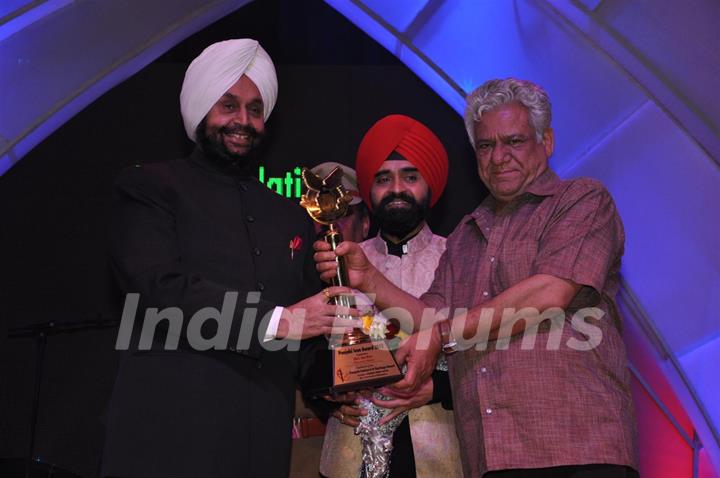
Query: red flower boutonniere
(295, 245)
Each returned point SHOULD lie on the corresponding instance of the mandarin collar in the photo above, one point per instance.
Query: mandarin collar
(416, 243)
(199, 158)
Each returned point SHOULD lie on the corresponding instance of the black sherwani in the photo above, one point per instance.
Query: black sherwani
(184, 233)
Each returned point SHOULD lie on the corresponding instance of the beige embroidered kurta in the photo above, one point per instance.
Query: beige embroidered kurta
(435, 445)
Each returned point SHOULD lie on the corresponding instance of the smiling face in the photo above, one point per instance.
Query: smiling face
(395, 178)
(400, 197)
(235, 124)
(508, 156)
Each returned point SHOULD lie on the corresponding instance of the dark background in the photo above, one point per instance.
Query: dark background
(335, 82)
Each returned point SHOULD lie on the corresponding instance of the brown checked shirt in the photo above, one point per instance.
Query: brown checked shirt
(555, 403)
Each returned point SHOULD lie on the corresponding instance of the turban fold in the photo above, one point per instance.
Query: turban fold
(216, 70)
(413, 141)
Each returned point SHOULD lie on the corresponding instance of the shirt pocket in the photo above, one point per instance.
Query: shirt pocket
(515, 261)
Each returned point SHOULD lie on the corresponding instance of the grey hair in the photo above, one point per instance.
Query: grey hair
(494, 93)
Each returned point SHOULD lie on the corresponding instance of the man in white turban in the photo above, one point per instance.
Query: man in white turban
(224, 271)
(227, 96)
(217, 70)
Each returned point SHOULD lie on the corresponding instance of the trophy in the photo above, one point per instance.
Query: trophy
(357, 361)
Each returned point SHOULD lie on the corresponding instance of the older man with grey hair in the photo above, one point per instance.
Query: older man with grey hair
(540, 379)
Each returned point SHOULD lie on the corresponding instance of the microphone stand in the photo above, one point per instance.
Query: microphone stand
(40, 333)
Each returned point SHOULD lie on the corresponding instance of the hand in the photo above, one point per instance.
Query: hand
(402, 402)
(314, 316)
(346, 398)
(420, 352)
(349, 412)
(360, 271)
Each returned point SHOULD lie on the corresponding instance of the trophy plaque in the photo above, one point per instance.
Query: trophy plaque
(355, 360)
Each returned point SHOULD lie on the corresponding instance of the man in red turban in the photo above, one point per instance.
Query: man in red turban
(400, 135)
(402, 169)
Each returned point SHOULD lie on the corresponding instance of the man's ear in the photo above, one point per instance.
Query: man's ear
(549, 141)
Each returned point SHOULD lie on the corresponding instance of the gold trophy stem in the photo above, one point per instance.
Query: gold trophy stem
(334, 237)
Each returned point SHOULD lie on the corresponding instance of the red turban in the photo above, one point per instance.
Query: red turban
(413, 141)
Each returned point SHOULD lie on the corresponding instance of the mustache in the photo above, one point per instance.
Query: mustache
(393, 196)
(400, 221)
(241, 128)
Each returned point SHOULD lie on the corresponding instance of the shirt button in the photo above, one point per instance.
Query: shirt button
(257, 251)
(250, 218)
(492, 259)
(260, 286)
(483, 370)
(485, 293)
(488, 411)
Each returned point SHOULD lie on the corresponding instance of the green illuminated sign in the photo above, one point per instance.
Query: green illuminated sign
(288, 185)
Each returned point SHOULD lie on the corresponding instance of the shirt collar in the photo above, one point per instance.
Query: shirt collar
(417, 243)
(547, 184)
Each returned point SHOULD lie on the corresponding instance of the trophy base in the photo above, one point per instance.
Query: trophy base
(349, 368)
(363, 365)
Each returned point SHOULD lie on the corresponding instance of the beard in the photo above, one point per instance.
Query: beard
(400, 221)
(215, 149)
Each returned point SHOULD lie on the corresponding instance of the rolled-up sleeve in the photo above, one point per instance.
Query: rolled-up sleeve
(583, 239)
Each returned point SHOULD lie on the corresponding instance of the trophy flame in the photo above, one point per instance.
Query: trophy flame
(326, 200)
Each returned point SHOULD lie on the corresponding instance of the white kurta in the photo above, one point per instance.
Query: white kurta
(435, 444)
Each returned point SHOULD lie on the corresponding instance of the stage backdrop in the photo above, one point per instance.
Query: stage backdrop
(54, 203)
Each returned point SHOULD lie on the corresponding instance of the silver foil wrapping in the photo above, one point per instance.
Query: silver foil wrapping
(377, 439)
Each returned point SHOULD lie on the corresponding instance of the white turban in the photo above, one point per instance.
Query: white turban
(216, 70)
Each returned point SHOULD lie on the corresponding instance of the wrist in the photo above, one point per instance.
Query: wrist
(448, 344)
(372, 277)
